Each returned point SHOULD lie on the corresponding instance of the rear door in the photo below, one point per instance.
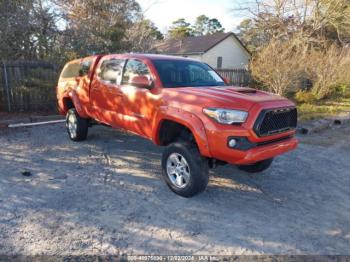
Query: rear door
(83, 80)
(105, 93)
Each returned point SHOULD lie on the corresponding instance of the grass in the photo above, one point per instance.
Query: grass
(325, 108)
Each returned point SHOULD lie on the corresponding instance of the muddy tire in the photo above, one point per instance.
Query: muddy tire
(77, 127)
(257, 167)
(184, 170)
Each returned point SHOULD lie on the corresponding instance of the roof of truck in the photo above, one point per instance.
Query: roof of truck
(151, 56)
(135, 56)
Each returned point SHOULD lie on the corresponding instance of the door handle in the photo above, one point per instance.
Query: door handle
(138, 115)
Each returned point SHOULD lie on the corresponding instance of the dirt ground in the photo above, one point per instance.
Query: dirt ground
(106, 196)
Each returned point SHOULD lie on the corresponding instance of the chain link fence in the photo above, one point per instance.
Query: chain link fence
(27, 86)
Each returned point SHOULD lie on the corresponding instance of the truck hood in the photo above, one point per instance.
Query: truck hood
(225, 96)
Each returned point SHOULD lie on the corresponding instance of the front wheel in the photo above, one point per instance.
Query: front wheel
(184, 170)
(77, 127)
(257, 167)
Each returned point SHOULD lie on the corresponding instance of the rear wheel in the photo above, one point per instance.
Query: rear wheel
(257, 167)
(77, 127)
(184, 170)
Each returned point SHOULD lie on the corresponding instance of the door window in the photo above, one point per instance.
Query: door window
(111, 71)
(135, 68)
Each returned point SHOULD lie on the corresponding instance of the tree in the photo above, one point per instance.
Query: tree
(180, 29)
(333, 18)
(98, 26)
(251, 37)
(201, 25)
(45, 28)
(299, 39)
(15, 29)
(61, 30)
(26, 29)
(142, 35)
(204, 25)
(214, 26)
(315, 21)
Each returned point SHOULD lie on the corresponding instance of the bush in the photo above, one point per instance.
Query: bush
(305, 97)
(342, 90)
(328, 70)
(281, 66)
(278, 67)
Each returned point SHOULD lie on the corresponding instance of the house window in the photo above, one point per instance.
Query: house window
(219, 62)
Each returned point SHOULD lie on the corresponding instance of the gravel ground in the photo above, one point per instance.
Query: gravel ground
(106, 196)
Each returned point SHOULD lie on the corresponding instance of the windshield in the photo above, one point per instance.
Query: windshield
(185, 73)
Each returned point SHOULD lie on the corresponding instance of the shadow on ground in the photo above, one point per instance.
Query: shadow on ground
(106, 196)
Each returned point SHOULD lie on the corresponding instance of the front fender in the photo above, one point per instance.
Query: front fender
(185, 118)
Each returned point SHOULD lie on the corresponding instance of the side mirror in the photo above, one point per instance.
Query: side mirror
(141, 81)
(226, 80)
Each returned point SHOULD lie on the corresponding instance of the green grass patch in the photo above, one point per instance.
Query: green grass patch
(324, 108)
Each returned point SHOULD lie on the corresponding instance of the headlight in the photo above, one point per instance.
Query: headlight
(226, 116)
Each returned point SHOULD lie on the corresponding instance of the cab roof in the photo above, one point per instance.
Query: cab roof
(141, 56)
(157, 56)
(135, 56)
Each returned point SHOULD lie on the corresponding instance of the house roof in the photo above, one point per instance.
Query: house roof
(193, 45)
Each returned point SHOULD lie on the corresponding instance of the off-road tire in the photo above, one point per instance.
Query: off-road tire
(198, 167)
(257, 167)
(79, 130)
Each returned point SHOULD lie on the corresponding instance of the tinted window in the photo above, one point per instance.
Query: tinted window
(182, 73)
(135, 68)
(111, 71)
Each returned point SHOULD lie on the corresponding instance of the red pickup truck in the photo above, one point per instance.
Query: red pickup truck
(181, 104)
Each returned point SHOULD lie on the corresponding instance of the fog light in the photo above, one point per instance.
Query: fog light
(232, 143)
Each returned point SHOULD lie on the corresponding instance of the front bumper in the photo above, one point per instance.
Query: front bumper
(255, 154)
(256, 148)
(265, 152)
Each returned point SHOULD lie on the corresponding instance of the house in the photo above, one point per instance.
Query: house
(219, 50)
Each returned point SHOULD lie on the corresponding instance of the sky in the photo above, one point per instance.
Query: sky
(164, 12)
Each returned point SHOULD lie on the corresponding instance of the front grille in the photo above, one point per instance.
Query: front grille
(275, 121)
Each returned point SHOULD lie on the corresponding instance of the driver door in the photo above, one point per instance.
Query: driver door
(139, 103)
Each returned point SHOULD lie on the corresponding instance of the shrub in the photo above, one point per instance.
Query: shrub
(305, 97)
(328, 70)
(342, 90)
(282, 66)
(278, 67)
